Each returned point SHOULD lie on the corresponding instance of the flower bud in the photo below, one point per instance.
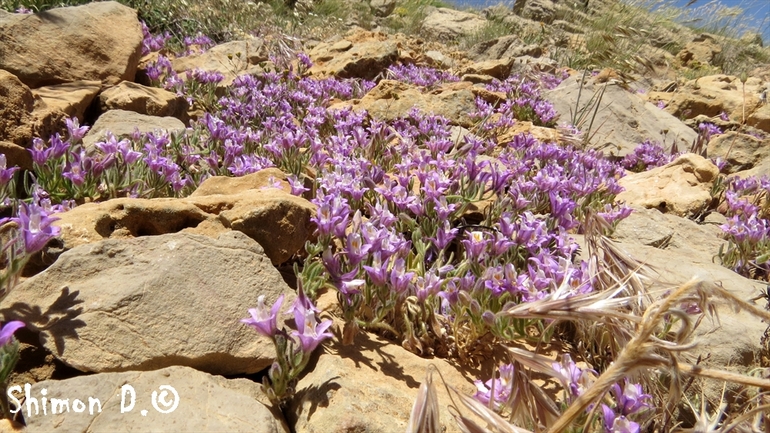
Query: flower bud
(489, 318)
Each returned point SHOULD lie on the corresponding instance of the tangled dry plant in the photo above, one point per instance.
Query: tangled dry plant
(647, 335)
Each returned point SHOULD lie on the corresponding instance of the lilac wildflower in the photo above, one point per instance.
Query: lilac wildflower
(7, 331)
(263, 321)
(503, 386)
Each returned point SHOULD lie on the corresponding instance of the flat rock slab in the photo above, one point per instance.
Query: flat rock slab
(392, 99)
(152, 302)
(370, 387)
(623, 119)
(123, 123)
(141, 99)
(72, 99)
(97, 41)
(203, 403)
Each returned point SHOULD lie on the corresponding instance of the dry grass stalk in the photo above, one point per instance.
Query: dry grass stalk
(646, 350)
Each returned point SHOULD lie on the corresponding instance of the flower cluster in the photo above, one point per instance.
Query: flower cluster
(293, 349)
(153, 43)
(24, 235)
(524, 101)
(647, 155)
(747, 229)
(422, 76)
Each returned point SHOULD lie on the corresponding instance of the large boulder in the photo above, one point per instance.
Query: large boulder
(504, 47)
(153, 302)
(448, 24)
(231, 59)
(360, 55)
(702, 50)
(537, 10)
(97, 41)
(622, 121)
(174, 399)
(391, 99)
(681, 187)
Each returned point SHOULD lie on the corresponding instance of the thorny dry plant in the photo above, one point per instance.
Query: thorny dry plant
(644, 337)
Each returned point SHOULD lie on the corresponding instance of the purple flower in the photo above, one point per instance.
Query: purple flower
(36, 227)
(76, 132)
(572, 377)
(6, 333)
(614, 423)
(263, 322)
(377, 272)
(708, 130)
(476, 245)
(6, 174)
(40, 153)
(502, 387)
(297, 188)
(309, 331)
(632, 399)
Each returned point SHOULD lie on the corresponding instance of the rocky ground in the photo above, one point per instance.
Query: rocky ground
(150, 292)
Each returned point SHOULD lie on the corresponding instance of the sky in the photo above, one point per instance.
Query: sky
(756, 13)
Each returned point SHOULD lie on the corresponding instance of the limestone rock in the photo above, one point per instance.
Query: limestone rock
(152, 302)
(760, 118)
(16, 155)
(499, 69)
(203, 403)
(536, 10)
(71, 99)
(720, 346)
(392, 377)
(97, 41)
(447, 24)
(231, 59)
(370, 55)
(277, 220)
(741, 151)
(438, 59)
(123, 124)
(16, 105)
(669, 232)
(702, 49)
(141, 99)
(382, 8)
(623, 119)
(714, 94)
(681, 187)
(495, 49)
(392, 99)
